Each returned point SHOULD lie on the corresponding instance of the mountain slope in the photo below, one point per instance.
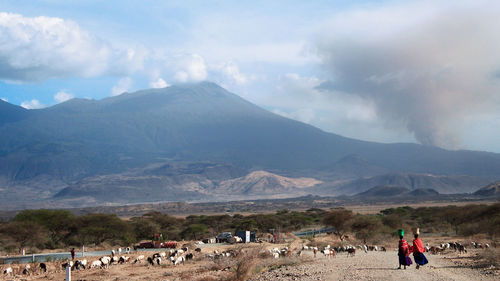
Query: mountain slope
(440, 183)
(384, 191)
(492, 190)
(11, 113)
(88, 139)
(262, 182)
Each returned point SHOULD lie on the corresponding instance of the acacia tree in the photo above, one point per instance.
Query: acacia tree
(366, 226)
(340, 219)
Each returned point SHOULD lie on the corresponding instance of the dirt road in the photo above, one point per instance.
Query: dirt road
(375, 266)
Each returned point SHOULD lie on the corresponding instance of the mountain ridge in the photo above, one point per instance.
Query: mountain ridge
(202, 122)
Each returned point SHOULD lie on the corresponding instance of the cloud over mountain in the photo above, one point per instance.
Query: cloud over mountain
(39, 48)
(425, 66)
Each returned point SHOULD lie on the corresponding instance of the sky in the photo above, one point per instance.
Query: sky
(388, 71)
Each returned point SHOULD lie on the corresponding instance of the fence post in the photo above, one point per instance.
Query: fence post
(68, 273)
(33, 258)
(83, 250)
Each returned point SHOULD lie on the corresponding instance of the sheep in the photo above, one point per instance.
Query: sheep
(123, 259)
(351, 252)
(180, 260)
(189, 256)
(114, 260)
(8, 271)
(461, 249)
(105, 261)
(328, 253)
(80, 263)
(276, 255)
(96, 264)
(67, 264)
(138, 259)
(304, 247)
(127, 250)
(43, 267)
(26, 270)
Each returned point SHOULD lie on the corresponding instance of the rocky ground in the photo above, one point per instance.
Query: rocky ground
(380, 266)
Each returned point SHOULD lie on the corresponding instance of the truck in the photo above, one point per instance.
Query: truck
(156, 242)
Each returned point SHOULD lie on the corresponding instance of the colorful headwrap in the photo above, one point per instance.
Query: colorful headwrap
(401, 232)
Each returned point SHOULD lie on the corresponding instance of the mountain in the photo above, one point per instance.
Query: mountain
(491, 190)
(183, 181)
(384, 191)
(156, 182)
(440, 183)
(85, 143)
(262, 182)
(423, 192)
(11, 113)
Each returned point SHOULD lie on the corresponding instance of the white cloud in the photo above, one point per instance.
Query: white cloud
(63, 96)
(4, 99)
(232, 71)
(122, 86)
(32, 104)
(39, 48)
(191, 68)
(158, 83)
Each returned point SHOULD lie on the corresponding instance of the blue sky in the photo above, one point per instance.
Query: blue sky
(387, 71)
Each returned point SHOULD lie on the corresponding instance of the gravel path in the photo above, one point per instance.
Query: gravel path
(374, 266)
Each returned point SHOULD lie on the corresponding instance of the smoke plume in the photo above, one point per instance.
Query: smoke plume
(425, 67)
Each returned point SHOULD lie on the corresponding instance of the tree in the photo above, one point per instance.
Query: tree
(366, 226)
(59, 223)
(339, 219)
(25, 233)
(194, 230)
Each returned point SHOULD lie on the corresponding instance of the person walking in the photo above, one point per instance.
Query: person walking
(73, 254)
(418, 250)
(403, 250)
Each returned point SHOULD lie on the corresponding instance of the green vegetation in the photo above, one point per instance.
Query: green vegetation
(41, 229)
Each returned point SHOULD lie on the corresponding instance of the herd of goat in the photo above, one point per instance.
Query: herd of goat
(179, 256)
(174, 256)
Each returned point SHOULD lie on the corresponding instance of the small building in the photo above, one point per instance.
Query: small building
(245, 235)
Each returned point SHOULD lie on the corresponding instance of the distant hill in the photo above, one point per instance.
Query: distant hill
(423, 192)
(262, 182)
(442, 184)
(392, 191)
(183, 181)
(384, 191)
(491, 190)
(91, 144)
